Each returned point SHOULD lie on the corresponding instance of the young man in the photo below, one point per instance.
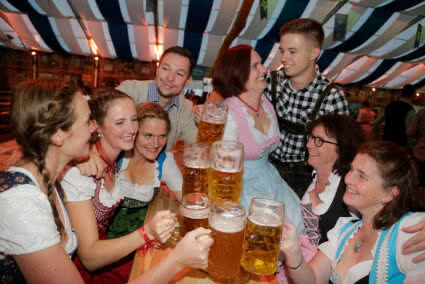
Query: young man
(298, 88)
(173, 74)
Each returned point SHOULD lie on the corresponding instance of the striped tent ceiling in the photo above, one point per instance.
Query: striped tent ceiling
(380, 47)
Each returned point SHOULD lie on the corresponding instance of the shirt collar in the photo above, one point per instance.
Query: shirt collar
(153, 96)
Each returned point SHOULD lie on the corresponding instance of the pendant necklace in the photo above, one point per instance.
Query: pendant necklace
(357, 244)
(257, 111)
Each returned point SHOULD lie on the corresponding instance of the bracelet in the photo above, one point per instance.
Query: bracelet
(296, 267)
(146, 238)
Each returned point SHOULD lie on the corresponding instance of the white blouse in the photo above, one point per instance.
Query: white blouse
(170, 174)
(79, 188)
(27, 224)
(231, 128)
(412, 271)
(327, 196)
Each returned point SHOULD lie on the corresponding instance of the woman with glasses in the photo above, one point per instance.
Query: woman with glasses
(332, 143)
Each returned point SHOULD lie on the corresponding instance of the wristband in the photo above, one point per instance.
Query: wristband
(146, 238)
(296, 267)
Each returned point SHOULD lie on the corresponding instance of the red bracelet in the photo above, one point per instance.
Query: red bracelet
(146, 238)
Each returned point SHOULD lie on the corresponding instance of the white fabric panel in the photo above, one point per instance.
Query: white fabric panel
(95, 29)
(394, 71)
(203, 49)
(124, 11)
(63, 8)
(271, 62)
(95, 10)
(368, 67)
(401, 79)
(141, 39)
(227, 13)
(172, 14)
(184, 10)
(412, 75)
(58, 34)
(341, 63)
(83, 9)
(234, 18)
(50, 8)
(78, 34)
(37, 7)
(8, 30)
(272, 20)
(212, 49)
(8, 6)
(22, 26)
(352, 68)
(213, 15)
(136, 12)
(171, 38)
(321, 10)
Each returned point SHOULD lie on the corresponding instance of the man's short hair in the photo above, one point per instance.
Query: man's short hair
(307, 27)
(183, 52)
(408, 91)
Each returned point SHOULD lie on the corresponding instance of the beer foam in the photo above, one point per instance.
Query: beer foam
(266, 218)
(226, 225)
(219, 119)
(227, 167)
(195, 211)
(196, 164)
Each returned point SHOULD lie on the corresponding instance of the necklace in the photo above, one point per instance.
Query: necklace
(357, 244)
(257, 111)
(111, 168)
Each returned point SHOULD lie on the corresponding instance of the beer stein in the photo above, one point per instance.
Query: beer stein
(227, 223)
(263, 232)
(194, 211)
(226, 170)
(196, 161)
(211, 126)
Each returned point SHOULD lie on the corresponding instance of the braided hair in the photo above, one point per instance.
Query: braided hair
(39, 108)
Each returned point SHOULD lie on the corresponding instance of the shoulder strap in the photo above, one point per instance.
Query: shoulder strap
(319, 102)
(273, 76)
(161, 159)
(10, 179)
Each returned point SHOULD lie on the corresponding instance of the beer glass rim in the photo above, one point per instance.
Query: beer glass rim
(227, 142)
(267, 202)
(221, 206)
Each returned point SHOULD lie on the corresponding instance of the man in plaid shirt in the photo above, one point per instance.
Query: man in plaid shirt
(298, 89)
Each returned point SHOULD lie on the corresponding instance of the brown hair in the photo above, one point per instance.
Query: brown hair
(101, 100)
(39, 108)
(182, 52)
(348, 134)
(152, 110)
(307, 27)
(397, 168)
(231, 71)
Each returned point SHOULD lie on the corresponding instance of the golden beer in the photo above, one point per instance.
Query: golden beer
(261, 243)
(224, 185)
(209, 132)
(194, 212)
(227, 223)
(195, 180)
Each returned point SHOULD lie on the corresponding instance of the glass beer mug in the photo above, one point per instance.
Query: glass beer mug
(211, 126)
(263, 232)
(194, 212)
(196, 161)
(227, 223)
(226, 170)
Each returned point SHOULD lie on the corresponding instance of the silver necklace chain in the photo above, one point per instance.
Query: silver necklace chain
(357, 244)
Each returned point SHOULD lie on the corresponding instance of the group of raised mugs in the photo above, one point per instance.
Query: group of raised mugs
(212, 187)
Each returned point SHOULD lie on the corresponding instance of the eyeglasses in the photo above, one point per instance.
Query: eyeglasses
(318, 141)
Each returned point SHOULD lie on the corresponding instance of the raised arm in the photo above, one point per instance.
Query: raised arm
(95, 253)
(316, 271)
(192, 251)
(48, 266)
(93, 166)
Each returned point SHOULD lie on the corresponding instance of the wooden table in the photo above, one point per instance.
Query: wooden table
(155, 255)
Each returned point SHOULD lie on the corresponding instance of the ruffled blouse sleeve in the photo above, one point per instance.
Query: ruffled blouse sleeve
(415, 272)
(171, 173)
(330, 247)
(26, 221)
(77, 187)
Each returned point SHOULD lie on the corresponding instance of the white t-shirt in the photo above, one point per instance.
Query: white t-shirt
(27, 224)
(412, 271)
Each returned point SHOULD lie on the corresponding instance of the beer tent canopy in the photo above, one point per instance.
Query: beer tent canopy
(382, 46)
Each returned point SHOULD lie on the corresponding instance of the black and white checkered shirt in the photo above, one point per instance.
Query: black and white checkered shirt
(296, 106)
